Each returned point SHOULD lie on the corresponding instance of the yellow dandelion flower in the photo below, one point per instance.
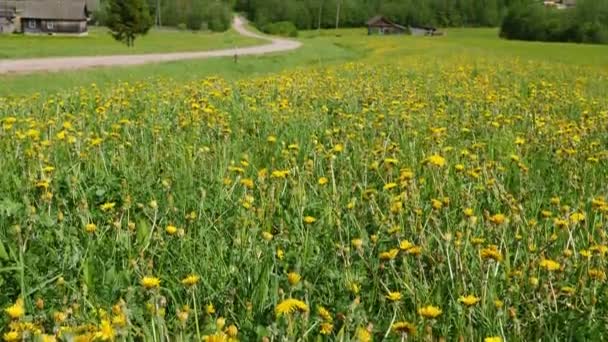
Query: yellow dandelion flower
(404, 328)
(16, 310)
(280, 174)
(491, 252)
(577, 218)
(469, 300)
(597, 274)
(391, 161)
(171, 230)
(107, 206)
(549, 265)
(389, 186)
(389, 255)
(493, 339)
(210, 309)
(217, 337)
(191, 280)
(323, 181)
(430, 311)
(468, 212)
(309, 219)
(12, 336)
(90, 228)
(363, 335)
(232, 331)
(560, 223)
(150, 282)
(247, 182)
(293, 278)
(324, 314)
(106, 331)
(357, 243)
(267, 236)
(436, 160)
(415, 250)
(393, 296)
(498, 219)
(326, 328)
(405, 245)
(290, 306)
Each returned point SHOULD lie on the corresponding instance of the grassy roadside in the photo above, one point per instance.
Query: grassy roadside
(99, 42)
(308, 55)
(323, 48)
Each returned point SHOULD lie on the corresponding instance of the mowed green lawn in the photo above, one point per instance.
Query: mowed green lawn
(100, 42)
(324, 48)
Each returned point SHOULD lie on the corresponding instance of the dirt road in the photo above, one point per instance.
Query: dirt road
(24, 66)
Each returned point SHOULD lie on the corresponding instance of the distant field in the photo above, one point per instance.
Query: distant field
(100, 42)
(320, 49)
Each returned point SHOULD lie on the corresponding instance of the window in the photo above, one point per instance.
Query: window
(31, 24)
(50, 25)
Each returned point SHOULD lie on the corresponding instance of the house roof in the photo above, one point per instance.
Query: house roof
(55, 9)
(421, 27)
(378, 18)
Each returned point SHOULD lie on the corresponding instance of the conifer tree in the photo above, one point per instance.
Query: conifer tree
(128, 19)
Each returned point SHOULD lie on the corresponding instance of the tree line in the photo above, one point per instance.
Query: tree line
(312, 14)
(586, 23)
(215, 15)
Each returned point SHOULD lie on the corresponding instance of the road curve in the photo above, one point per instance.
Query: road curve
(54, 64)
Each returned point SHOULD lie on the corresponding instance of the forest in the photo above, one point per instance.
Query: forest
(518, 19)
(310, 14)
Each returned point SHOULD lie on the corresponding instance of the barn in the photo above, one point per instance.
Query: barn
(382, 25)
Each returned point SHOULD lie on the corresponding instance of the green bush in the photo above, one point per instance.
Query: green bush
(281, 28)
(194, 21)
(587, 23)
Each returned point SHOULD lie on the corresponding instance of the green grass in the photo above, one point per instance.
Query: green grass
(183, 71)
(100, 42)
(323, 48)
(461, 174)
(370, 189)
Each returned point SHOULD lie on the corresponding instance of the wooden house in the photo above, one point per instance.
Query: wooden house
(382, 25)
(46, 16)
(55, 16)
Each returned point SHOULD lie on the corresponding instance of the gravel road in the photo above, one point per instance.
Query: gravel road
(55, 64)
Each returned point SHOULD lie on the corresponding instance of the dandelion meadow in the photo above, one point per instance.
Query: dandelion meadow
(422, 201)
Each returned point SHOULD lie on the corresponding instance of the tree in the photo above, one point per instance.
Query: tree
(128, 19)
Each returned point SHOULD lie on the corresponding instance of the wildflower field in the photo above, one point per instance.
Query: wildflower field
(422, 201)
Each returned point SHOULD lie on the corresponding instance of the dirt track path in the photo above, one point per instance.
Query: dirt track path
(54, 64)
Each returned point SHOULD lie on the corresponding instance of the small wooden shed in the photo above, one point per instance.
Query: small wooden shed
(382, 25)
(424, 31)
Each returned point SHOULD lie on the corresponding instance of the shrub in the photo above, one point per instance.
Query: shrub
(281, 28)
(535, 22)
(194, 21)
